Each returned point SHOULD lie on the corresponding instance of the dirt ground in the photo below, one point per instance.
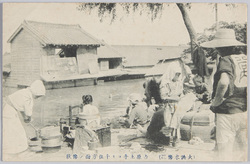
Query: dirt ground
(126, 145)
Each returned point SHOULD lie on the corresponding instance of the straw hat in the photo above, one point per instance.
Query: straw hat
(223, 38)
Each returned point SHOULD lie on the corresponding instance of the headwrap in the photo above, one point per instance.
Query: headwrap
(172, 69)
(37, 88)
(135, 98)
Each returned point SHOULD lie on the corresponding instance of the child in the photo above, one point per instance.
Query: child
(83, 135)
(201, 90)
(90, 112)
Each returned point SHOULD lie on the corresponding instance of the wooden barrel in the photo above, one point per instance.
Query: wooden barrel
(197, 124)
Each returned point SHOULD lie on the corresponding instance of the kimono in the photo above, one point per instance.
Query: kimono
(92, 115)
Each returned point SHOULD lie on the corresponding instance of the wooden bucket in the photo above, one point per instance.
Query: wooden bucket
(51, 139)
(93, 144)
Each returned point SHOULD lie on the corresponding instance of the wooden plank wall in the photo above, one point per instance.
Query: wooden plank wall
(86, 55)
(25, 59)
(86, 49)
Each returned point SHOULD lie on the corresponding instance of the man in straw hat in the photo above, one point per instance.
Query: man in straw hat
(229, 95)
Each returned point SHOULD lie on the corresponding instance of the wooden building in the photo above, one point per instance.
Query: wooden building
(139, 59)
(109, 58)
(61, 55)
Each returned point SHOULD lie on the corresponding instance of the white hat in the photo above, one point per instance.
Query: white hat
(223, 38)
(37, 88)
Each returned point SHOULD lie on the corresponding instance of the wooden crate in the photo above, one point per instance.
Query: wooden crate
(104, 136)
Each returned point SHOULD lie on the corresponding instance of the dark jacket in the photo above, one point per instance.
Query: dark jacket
(236, 97)
(156, 124)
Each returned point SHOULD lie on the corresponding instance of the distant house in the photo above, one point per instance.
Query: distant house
(140, 58)
(109, 58)
(147, 56)
(55, 53)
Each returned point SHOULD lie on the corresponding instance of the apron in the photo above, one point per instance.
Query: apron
(14, 136)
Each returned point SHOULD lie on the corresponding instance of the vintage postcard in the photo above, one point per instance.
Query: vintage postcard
(124, 82)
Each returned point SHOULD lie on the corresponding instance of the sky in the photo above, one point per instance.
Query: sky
(133, 29)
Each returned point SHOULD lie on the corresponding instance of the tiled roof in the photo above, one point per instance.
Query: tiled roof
(58, 34)
(107, 51)
(138, 55)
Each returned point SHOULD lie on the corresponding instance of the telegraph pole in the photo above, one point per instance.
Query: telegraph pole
(216, 16)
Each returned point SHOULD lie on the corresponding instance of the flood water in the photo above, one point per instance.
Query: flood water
(109, 97)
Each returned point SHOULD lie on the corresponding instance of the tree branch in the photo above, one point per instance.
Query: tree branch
(187, 21)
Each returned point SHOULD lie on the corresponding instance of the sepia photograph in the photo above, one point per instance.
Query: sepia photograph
(141, 82)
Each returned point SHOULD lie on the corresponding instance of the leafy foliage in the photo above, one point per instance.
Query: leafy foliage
(154, 10)
(208, 35)
(103, 9)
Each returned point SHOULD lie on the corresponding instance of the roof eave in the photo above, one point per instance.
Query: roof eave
(91, 36)
(110, 57)
(56, 44)
(15, 33)
(45, 41)
(25, 26)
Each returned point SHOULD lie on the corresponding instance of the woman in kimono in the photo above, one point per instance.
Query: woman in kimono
(17, 109)
(90, 112)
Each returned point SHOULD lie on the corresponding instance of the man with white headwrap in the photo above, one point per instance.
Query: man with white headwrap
(176, 104)
(172, 80)
(17, 108)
